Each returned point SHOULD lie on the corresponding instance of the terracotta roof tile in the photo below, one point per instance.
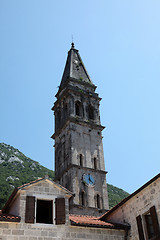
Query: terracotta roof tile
(9, 218)
(89, 221)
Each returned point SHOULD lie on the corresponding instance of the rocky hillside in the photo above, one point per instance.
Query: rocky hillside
(16, 169)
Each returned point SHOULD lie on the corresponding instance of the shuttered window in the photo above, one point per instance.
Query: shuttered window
(155, 220)
(30, 209)
(60, 211)
(151, 225)
(140, 228)
(44, 211)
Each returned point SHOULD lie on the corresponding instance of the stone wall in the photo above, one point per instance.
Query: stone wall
(86, 142)
(139, 204)
(22, 231)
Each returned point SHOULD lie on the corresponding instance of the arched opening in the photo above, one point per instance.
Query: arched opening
(95, 163)
(58, 118)
(78, 108)
(65, 111)
(98, 201)
(82, 198)
(90, 112)
(81, 160)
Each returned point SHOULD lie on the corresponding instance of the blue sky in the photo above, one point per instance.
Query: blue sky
(119, 44)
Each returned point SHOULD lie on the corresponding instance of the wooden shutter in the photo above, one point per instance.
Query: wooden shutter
(30, 209)
(140, 228)
(154, 220)
(60, 211)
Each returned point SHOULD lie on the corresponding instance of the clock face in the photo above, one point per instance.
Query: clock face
(88, 179)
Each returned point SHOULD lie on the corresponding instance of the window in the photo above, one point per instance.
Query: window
(95, 163)
(58, 118)
(44, 210)
(78, 109)
(148, 225)
(151, 222)
(81, 160)
(98, 201)
(90, 112)
(82, 199)
(140, 227)
(65, 111)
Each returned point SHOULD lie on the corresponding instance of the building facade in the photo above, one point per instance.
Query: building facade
(40, 211)
(141, 210)
(79, 159)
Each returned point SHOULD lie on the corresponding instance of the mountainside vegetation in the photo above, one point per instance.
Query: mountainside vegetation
(115, 195)
(16, 169)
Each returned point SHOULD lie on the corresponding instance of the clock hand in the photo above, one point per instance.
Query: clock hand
(90, 179)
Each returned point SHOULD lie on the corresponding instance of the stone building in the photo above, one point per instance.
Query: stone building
(40, 211)
(79, 160)
(141, 210)
(75, 204)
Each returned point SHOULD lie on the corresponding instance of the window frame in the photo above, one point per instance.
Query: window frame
(32, 218)
(153, 214)
(43, 198)
(91, 112)
(78, 109)
(53, 206)
(143, 225)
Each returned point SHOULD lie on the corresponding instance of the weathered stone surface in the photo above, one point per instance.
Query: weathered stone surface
(139, 204)
(47, 232)
(78, 141)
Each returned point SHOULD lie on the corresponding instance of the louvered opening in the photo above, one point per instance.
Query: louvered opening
(30, 209)
(149, 224)
(60, 211)
(140, 227)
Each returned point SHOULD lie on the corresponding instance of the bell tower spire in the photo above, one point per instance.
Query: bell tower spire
(79, 160)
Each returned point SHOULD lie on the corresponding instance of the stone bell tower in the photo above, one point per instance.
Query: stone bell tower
(79, 160)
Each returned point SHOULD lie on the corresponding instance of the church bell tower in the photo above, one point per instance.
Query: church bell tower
(79, 160)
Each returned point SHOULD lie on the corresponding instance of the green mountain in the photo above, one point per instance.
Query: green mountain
(115, 195)
(16, 169)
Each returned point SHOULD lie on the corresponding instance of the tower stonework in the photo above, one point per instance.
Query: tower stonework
(79, 160)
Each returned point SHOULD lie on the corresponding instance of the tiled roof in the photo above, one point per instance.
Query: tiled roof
(8, 217)
(91, 221)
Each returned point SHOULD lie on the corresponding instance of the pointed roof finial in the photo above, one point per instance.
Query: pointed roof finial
(72, 45)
